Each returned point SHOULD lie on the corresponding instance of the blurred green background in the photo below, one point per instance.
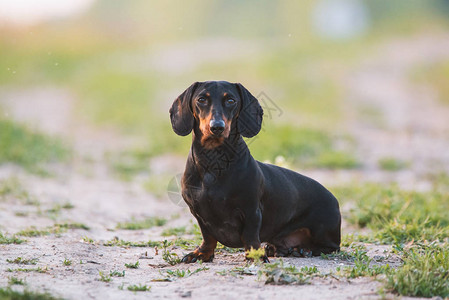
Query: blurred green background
(124, 62)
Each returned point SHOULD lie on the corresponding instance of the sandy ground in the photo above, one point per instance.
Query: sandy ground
(416, 129)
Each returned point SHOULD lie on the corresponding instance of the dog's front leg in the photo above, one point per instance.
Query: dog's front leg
(205, 252)
(250, 235)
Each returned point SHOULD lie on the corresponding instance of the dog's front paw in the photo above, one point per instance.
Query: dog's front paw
(198, 254)
(270, 250)
(264, 259)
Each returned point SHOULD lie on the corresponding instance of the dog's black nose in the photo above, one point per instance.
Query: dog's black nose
(217, 126)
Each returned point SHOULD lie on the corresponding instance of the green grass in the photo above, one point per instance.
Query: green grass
(347, 240)
(117, 273)
(35, 232)
(10, 294)
(275, 273)
(67, 262)
(72, 226)
(187, 244)
(440, 181)
(55, 229)
(174, 231)
(23, 261)
(362, 264)
(14, 280)
(396, 216)
(104, 277)
(132, 265)
(142, 224)
(337, 160)
(21, 214)
(10, 240)
(425, 272)
(279, 274)
(170, 257)
(88, 240)
(28, 270)
(392, 164)
(139, 288)
(178, 273)
(350, 253)
(363, 268)
(122, 243)
(17, 142)
(415, 223)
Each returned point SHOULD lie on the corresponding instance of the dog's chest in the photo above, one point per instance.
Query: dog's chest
(224, 223)
(218, 212)
(212, 201)
(208, 191)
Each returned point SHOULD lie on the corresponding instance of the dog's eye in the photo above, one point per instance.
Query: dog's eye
(202, 100)
(230, 101)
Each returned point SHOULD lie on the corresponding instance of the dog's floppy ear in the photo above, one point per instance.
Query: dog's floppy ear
(249, 121)
(181, 115)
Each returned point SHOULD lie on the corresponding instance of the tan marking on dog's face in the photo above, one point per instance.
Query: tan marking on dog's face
(205, 124)
(209, 140)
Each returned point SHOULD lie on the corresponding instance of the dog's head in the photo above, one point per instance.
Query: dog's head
(214, 107)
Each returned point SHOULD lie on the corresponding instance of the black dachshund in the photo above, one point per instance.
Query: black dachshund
(238, 201)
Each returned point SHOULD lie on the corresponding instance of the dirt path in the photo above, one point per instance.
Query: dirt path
(417, 131)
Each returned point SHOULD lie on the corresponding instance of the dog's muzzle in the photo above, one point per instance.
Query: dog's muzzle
(217, 126)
